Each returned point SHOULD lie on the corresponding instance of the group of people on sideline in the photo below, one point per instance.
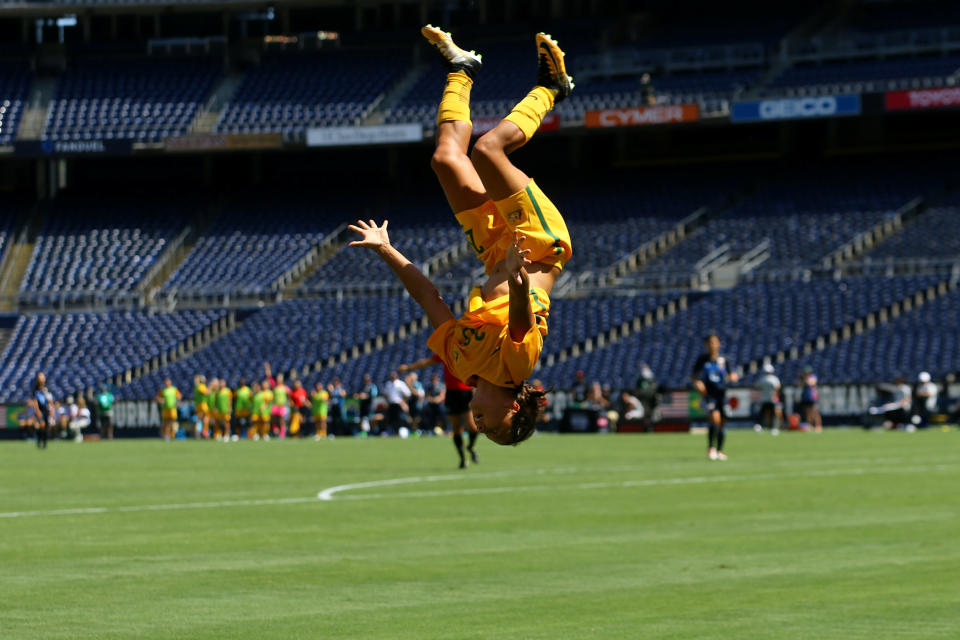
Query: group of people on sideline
(44, 416)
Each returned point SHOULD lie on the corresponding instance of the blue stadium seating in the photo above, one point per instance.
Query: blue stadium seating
(907, 70)
(920, 237)
(289, 335)
(77, 351)
(15, 86)
(753, 320)
(925, 339)
(248, 249)
(89, 246)
(289, 93)
(142, 100)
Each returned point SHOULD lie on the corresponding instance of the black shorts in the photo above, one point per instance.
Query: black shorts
(714, 403)
(458, 401)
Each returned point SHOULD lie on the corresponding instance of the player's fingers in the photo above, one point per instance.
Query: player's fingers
(354, 227)
(385, 223)
(362, 224)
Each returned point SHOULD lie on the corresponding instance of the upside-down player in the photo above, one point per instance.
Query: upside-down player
(514, 229)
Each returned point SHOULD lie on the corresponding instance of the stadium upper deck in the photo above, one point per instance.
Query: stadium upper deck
(623, 58)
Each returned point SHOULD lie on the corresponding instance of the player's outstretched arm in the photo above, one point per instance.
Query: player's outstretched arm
(422, 363)
(419, 287)
(521, 311)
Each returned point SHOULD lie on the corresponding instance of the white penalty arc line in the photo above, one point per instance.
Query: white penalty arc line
(331, 494)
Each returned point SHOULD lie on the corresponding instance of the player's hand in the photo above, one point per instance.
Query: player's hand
(371, 236)
(516, 260)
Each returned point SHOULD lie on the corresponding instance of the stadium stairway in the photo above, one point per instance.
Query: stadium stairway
(390, 99)
(17, 257)
(184, 348)
(210, 112)
(35, 115)
(868, 239)
(290, 281)
(176, 252)
(650, 250)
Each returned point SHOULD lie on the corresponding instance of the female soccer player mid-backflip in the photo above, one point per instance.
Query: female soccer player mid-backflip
(515, 231)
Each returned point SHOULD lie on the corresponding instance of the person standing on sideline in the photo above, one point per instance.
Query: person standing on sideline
(169, 400)
(338, 406)
(710, 376)
(771, 407)
(42, 408)
(319, 409)
(298, 406)
(646, 390)
(809, 398)
(201, 405)
(365, 397)
(397, 393)
(105, 402)
(434, 413)
(415, 403)
(224, 409)
(256, 411)
(243, 408)
(925, 399)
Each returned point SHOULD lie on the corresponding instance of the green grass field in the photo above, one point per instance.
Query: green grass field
(845, 534)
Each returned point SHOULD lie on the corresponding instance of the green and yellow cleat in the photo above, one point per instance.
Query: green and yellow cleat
(469, 62)
(551, 71)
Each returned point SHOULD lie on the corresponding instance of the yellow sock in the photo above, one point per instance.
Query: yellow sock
(529, 112)
(455, 104)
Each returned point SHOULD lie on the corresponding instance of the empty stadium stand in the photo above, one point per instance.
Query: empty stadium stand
(143, 100)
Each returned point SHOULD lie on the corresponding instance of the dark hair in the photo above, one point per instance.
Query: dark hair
(524, 422)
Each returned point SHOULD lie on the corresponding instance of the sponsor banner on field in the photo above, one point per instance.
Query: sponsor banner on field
(72, 147)
(383, 134)
(795, 108)
(550, 122)
(923, 99)
(637, 116)
(744, 402)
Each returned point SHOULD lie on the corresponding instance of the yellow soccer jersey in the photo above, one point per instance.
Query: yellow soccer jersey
(479, 342)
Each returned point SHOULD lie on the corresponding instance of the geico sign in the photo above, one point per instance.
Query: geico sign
(798, 108)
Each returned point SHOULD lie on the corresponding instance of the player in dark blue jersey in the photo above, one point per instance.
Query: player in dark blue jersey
(710, 376)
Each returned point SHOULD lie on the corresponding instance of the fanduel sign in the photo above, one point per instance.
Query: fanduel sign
(795, 108)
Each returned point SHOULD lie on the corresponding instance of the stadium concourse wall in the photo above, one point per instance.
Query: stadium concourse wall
(680, 411)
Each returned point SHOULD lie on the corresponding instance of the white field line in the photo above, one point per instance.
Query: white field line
(332, 493)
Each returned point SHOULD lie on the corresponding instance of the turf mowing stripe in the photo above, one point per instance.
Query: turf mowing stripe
(328, 495)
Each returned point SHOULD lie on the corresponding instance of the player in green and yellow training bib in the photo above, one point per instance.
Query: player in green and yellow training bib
(200, 405)
(169, 399)
(243, 407)
(224, 409)
(319, 407)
